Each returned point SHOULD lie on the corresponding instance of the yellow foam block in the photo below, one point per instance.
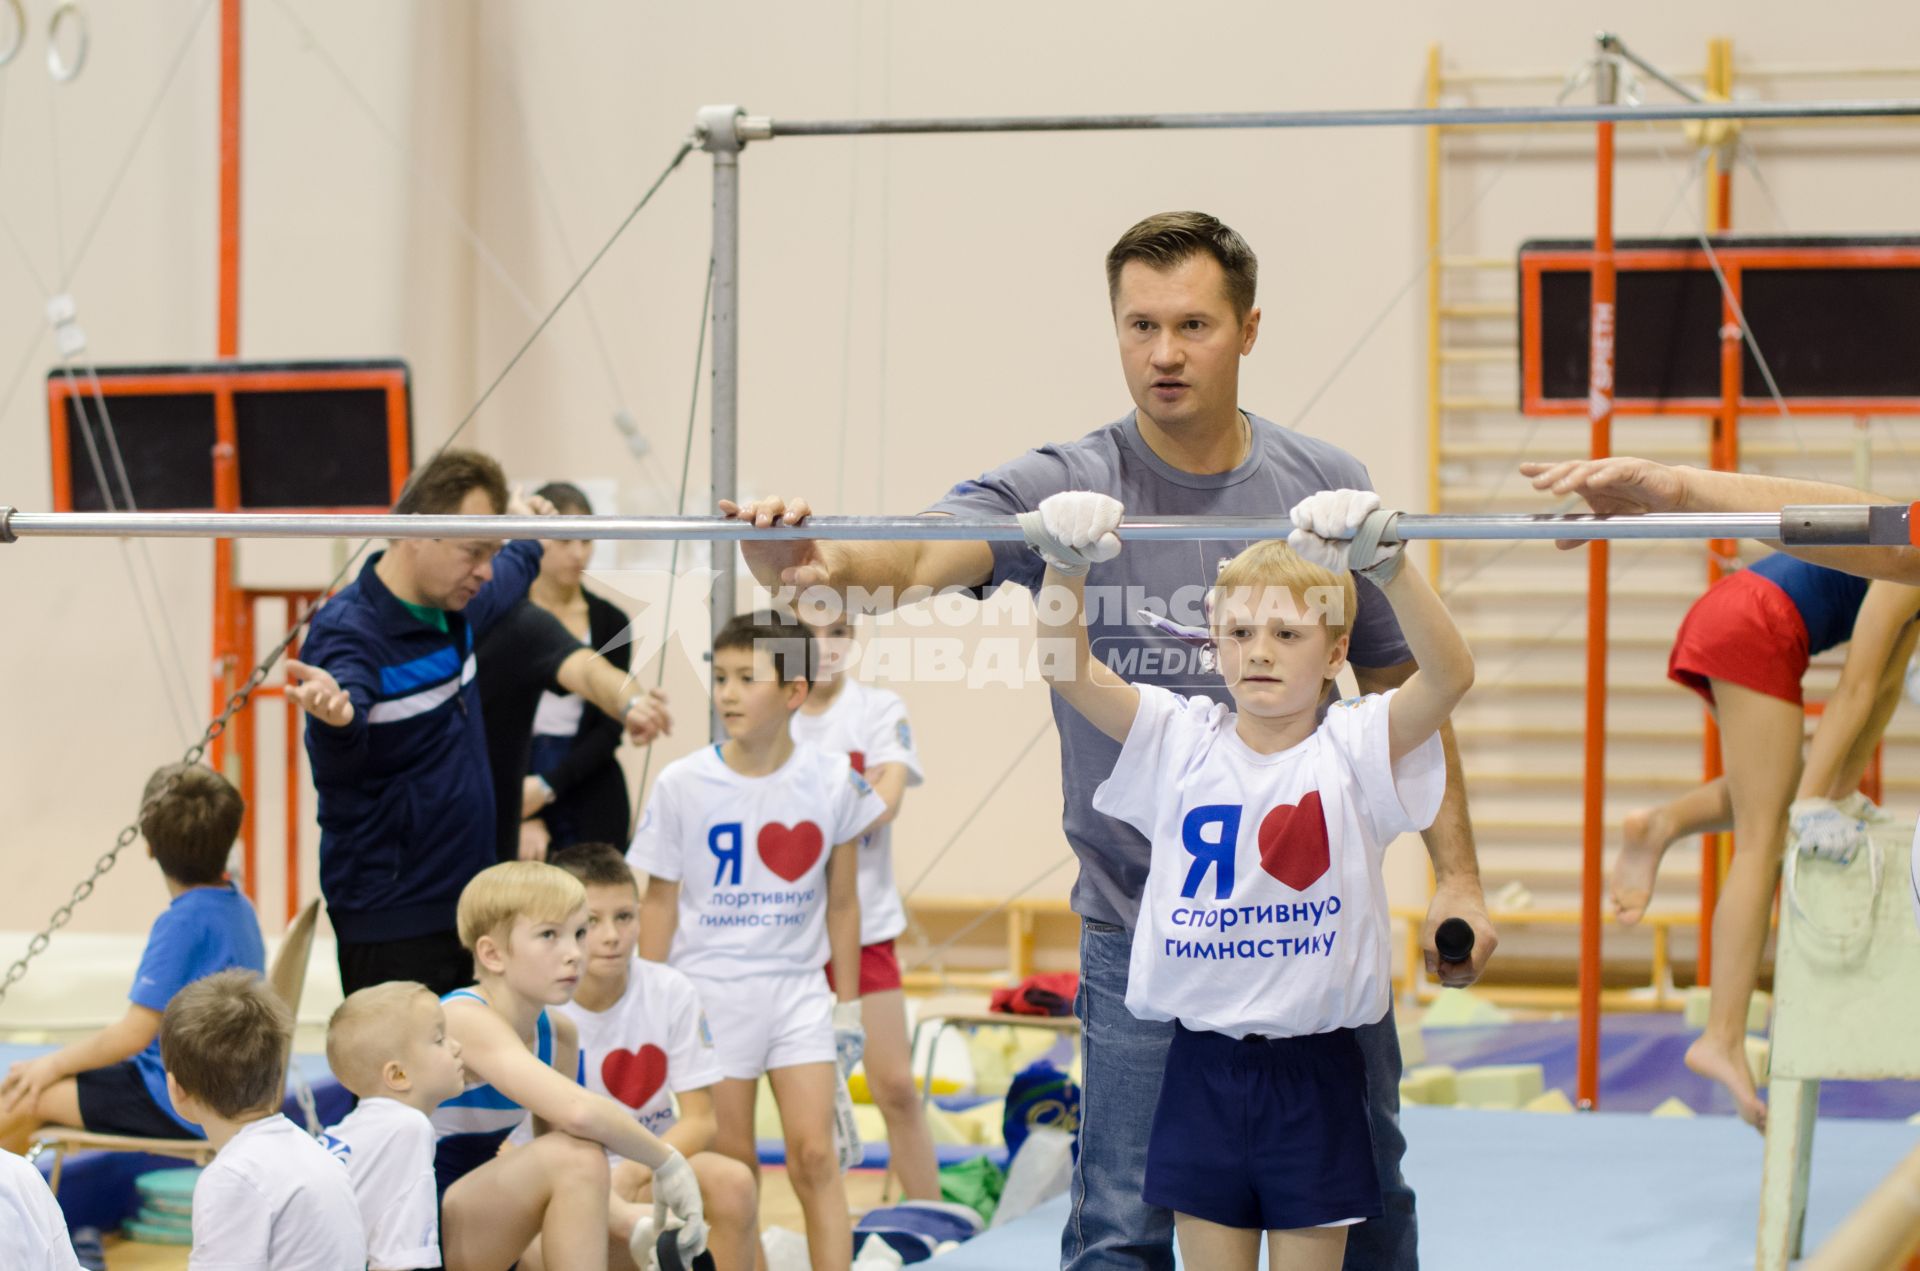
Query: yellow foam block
(998, 1052)
(1413, 1047)
(984, 1124)
(871, 1125)
(1674, 1107)
(1499, 1085)
(1459, 1008)
(857, 1086)
(1759, 1006)
(1554, 1100)
(1759, 1054)
(1429, 1084)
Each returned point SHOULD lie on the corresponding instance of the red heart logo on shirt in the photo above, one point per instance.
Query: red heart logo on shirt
(858, 758)
(634, 1076)
(1293, 842)
(790, 852)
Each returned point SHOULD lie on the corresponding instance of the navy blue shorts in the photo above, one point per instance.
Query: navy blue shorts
(115, 1100)
(1264, 1133)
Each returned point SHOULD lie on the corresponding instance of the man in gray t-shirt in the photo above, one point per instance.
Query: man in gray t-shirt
(1182, 289)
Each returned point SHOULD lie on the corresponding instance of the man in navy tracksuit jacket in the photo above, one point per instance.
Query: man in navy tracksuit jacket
(396, 741)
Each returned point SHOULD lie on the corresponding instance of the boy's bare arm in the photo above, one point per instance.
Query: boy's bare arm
(1423, 703)
(1884, 619)
(694, 1130)
(116, 1043)
(1085, 683)
(843, 919)
(889, 781)
(659, 918)
(496, 1055)
(881, 572)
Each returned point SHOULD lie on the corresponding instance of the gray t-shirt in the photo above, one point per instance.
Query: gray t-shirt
(1171, 579)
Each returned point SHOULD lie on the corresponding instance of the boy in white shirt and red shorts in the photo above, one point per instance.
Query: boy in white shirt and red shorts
(1264, 929)
(869, 724)
(751, 854)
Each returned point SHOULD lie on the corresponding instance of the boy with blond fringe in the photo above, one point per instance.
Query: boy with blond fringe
(273, 1197)
(389, 1046)
(1263, 931)
(524, 922)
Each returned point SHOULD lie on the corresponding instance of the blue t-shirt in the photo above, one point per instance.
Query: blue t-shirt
(1827, 599)
(1172, 579)
(204, 931)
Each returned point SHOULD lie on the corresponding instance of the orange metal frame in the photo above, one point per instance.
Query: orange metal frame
(1734, 260)
(233, 605)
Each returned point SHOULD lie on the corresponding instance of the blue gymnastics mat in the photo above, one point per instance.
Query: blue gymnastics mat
(1518, 1191)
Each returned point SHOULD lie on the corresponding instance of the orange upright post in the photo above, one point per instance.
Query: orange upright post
(1600, 384)
(1723, 455)
(229, 622)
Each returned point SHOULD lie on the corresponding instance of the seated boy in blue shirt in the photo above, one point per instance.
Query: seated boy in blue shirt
(113, 1081)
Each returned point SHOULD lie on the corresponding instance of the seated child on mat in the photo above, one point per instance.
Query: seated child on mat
(1268, 828)
(644, 1042)
(524, 922)
(388, 1044)
(751, 852)
(113, 1082)
(273, 1197)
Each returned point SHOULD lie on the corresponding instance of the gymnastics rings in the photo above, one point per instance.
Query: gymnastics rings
(18, 14)
(65, 14)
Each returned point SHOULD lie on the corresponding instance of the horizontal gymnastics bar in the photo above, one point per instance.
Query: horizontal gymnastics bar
(760, 127)
(1837, 525)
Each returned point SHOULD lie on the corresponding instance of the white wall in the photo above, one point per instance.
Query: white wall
(914, 310)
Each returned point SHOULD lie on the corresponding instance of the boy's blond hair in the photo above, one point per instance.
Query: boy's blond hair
(500, 893)
(1312, 590)
(369, 1029)
(225, 1040)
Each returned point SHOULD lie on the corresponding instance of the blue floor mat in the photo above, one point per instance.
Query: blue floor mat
(1519, 1191)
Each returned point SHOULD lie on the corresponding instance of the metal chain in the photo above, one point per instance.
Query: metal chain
(194, 754)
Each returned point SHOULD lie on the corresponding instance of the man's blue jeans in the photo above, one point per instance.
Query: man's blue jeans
(1109, 1228)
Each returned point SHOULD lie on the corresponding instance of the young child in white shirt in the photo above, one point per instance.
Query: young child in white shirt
(751, 852)
(644, 1043)
(33, 1232)
(273, 1197)
(869, 724)
(388, 1044)
(1263, 931)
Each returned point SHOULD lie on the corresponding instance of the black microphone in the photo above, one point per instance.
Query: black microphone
(1454, 940)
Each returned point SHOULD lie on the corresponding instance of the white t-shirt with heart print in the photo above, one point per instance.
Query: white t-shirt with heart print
(870, 724)
(649, 1045)
(1265, 909)
(750, 855)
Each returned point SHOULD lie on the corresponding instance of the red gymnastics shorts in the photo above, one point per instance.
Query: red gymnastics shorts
(879, 968)
(1745, 631)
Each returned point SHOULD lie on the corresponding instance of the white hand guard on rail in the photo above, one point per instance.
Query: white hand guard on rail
(1073, 530)
(1340, 530)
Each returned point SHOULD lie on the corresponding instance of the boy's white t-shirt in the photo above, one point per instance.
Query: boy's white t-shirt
(650, 1045)
(750, 855)
(1265, 909)
(388, 1151)
(869, 724)
(33, 1232)
(275, 1200)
